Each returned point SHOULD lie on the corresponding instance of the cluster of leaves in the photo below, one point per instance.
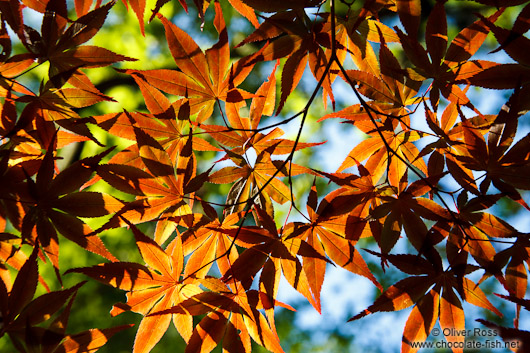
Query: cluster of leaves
(222, 263)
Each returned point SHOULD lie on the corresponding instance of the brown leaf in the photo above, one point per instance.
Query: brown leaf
(279, 5)
(88, 341)
(409, 12)
(421, 320)
(452, 318)
(401, 295)
(24, 286)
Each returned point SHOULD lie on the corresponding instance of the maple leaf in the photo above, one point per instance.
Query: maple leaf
(267, 244)
(245, 10)
(468, 232)
(232, 316)
(164, 194)
(451, 145)
(11, 68)
(391, 91)
(404, 210)
(445, 65)
(512, 41)
(166, 153)
(54, 203)
(262, 174)
(206, 243)
(61, 45)
(205, 78)
(494, 157)
(354, 199)
(12, 256)
(300, 45)
(12, 185)
(395, 153)
(57, 106)
(168, 125)
(152, 288)
(440, 301)
(241, 134)
(330, 235)
(388, 86)
(254, 184)
(515, 274)
(21, 315)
